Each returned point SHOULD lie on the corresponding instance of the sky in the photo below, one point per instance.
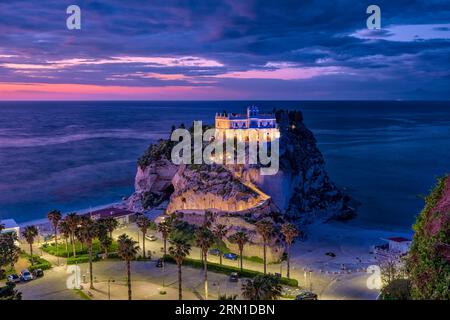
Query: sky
(224, 50)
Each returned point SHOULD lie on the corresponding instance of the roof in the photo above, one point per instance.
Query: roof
(9, 223)
(109, 212)
(398, 239)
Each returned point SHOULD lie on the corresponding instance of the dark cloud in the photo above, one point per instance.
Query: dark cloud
(243, 36)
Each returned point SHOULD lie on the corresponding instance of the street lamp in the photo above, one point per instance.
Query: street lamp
(109, 287)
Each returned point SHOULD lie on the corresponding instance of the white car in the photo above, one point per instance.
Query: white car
(151, 238)
(26, 275)
(13, 278)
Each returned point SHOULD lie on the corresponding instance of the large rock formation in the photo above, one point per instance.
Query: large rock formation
(301, 188)
(301, 191)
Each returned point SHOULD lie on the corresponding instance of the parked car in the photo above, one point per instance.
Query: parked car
(151, 237)
(38, 273)
(306, 296)
(159, 263)
(14, 278)
(234, 277)
(230, 256)
(214, 252)
(26, 275)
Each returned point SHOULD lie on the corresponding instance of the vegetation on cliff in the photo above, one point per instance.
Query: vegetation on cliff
(160, 150)
(428, 262)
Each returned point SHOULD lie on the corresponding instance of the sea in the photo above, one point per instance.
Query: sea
(82, 154)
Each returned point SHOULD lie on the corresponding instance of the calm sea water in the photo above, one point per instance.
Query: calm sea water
(75, 155)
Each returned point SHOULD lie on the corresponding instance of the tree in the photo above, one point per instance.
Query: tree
(179, 249)
(165, 227)
(87, 233)
(241, 239)
(30, 233)
(127, 249)
(65, 231)
(2, 227)
(427, 262)
(111, 224)
(262, 287)
(220, 231)
(55, 217)
(9, 292)
(143, 224)
(265, 229)
(103, 236)
(205, 239)
(9, 252)
(73, 220)
(290, 232)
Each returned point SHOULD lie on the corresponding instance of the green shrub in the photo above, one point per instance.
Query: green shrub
(38, 262)
(427, 266)
(61, 250)
(254, 259)
(81, 259)
(398, 289)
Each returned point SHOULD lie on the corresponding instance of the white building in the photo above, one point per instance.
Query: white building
(251, 126)
(399, 244)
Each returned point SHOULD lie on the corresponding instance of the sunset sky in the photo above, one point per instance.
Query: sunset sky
(230, 49)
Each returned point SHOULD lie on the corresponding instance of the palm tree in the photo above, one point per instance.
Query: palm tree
(220, 232)
(29, 233)
(64, 229)
(9, 252)
(73, 220)
(290, 232)
(103, 236)
(127, 249)
(262, 287)
(55, 217)
(265, 229)
(241, 239)
(111, 224)
(179, 249)
(143, 224)
(165, 227)
(87, 233)
(205, 239)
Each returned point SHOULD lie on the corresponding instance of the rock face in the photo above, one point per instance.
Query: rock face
(213, 188)
(153, 181)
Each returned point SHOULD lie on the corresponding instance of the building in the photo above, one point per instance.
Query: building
(10, 225)
(253, 125)
(399, 244)
(121, 215)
